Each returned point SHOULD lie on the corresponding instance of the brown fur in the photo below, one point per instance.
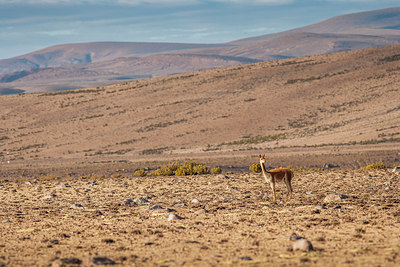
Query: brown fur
(276, 175)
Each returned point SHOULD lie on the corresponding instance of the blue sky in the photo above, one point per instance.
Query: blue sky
(28, 25)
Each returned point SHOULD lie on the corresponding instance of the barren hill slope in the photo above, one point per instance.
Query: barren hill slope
(327, 101)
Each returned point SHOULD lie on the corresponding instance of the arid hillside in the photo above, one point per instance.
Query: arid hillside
(344, 104)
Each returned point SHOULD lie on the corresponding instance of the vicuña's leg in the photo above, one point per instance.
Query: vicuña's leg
(273, 189)
(289, 189)
(288, 182)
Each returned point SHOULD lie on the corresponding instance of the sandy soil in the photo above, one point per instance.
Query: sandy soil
(53, 221)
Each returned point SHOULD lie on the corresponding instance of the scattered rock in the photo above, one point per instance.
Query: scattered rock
(49, 196)
(396, 169)
(302, 245)
(28, 183)
(202, 211)
(195, 201)
(221, 176)
(141, 200)
(71, 261)
(128, 202)
(108, 241)
(192, 242)
(75, 206)
(155, 207)
(334, 197)
(320, 207)
(245, 258)
(172, 217)
(294, 237)
(103, 261)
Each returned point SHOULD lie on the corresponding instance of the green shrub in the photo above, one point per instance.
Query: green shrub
(166, 170)
(179, 169)
(256, 168)
(374, 166)
(191, 168)
(116, 175)
(216, 170)
(140, 173)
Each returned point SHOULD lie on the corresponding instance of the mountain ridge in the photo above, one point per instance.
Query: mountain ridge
(88, 61)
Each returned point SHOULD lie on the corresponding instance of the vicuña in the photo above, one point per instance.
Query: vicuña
(274, 175)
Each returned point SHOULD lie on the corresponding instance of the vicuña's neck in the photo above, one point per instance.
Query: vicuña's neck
(263, 167)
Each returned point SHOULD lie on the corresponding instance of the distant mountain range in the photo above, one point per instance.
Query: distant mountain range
(72, 66)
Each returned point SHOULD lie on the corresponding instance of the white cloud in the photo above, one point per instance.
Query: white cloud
(57, 32)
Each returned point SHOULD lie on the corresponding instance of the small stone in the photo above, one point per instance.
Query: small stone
(320, 207)
(192, 242)
(28, 183)
(155, 207)
(128, 202)
(71, 261)
(172, 217)
(202, 211)
(303, 245)
(49, 196)
(334, 197)
(294, 237)
(141, 200)
(75, 206)
(103, 261)
(221, 176)
(195, 201)
(396, 169)
(245, 258)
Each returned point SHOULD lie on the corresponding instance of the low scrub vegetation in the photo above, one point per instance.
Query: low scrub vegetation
(180, 169)
(216, 170)
(140, 173)
(258, 139)
(374, 166)
(256, 168)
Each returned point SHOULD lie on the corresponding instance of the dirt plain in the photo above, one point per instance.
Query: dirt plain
(224, 220)
(68, 193)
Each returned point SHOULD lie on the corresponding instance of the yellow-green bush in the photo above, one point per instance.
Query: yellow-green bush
(256, 168)
(216, 170)
(191, 168)
(178, 169)
(166, 170)
(374, 166)
(140, 173)
(116, 175)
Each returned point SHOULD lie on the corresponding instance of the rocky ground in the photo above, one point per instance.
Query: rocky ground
(350, 218)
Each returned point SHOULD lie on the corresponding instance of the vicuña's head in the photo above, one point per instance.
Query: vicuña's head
(262, 158)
